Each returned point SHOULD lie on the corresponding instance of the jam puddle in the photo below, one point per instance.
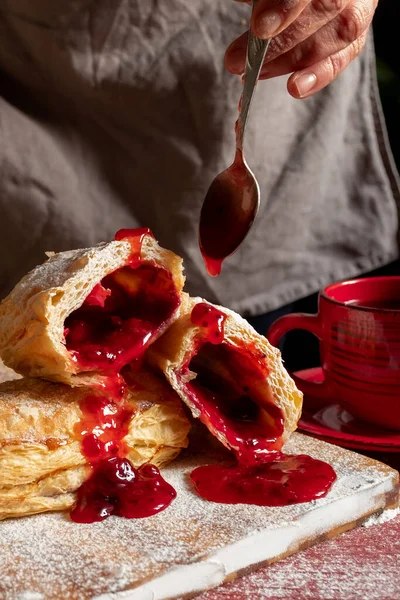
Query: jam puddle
(283, 480)
(117, 488)
(114, 487)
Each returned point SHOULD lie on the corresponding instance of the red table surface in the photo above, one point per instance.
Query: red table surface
(361, 564)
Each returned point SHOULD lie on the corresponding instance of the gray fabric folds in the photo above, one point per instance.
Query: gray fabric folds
(120, 113)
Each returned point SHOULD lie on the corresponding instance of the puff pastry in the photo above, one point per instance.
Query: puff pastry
(41, 460)
(59, 319)
(237, 385)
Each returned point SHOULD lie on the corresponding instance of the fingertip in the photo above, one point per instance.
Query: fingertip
(302, 85)
(235, 56)
(292, 90)
(267, 23)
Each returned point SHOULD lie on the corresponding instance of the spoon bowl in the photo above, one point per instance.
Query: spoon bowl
(228, 212)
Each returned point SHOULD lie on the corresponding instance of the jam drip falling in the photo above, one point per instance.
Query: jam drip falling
(114, 486)
(105, 334)
(263, 475)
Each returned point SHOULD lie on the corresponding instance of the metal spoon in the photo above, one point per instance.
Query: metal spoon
(233, 199)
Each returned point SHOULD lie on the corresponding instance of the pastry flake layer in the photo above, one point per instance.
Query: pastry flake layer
(41, 460)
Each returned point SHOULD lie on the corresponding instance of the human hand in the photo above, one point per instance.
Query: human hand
(315, 40)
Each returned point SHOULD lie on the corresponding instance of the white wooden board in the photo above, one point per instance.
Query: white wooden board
(191, 546)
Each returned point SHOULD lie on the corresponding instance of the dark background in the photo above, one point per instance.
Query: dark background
(387, 44)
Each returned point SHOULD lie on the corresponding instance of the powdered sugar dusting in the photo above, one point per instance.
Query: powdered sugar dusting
(7, 374)
(384, 517)
(51, 556)
(364, 565)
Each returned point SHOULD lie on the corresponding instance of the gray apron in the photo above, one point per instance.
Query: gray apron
(119, 114)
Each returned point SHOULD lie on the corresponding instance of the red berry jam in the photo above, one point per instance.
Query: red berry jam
(103, 426)
(117, 488)
(230, 393)
(283, 480)
(114, 486)
(211, 319)
(98, 296)
(225, 393)
(113, 328)
(123, 313)
(135, 237)
(120, 318)
(133, 234)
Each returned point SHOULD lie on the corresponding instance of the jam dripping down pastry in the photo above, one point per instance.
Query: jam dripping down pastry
(53, 439)
(84, 314)
(80, 319)
(230, 377)
(94, 319)
(234, 381)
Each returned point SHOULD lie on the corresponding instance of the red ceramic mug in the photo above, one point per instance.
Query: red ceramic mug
(358, 325)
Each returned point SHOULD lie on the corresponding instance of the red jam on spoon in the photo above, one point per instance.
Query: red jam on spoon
(227, 214)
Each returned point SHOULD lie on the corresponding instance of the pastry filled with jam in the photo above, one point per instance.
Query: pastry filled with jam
(235, 383)
(231, 378)
(120, 318)
(86, 318)
(76, 449)
(87, 313)
(114, 353)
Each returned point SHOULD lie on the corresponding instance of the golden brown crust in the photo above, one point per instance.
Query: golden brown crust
(41, 463)
(32, 316)
(176, 347)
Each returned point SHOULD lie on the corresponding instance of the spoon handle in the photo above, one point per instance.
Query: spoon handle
(256, 50)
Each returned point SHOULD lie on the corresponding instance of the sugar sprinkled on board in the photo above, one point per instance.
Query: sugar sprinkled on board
(364, 565)
(384, 517)
(50, 555)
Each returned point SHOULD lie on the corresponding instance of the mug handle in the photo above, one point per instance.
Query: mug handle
(311, 323)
